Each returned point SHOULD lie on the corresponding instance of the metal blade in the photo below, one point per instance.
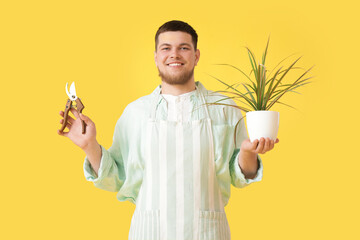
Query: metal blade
(72, 94)
(66, 90)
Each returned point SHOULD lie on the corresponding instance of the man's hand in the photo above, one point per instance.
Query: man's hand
(258, 146)
(248, 154)
(74, 134)
(87, 141)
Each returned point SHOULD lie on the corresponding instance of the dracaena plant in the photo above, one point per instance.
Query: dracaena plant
(262, 88)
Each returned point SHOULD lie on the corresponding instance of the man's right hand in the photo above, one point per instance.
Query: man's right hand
(85, 140)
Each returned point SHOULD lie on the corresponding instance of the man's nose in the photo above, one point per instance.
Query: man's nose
(174, 53)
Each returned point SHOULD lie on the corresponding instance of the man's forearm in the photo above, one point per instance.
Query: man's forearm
(248, 164)
(93, 153)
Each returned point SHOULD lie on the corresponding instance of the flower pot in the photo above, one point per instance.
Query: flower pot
(262, 124)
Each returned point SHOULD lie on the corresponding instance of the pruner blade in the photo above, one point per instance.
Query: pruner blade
(72, 93)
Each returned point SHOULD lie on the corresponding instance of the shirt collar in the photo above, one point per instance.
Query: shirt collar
(200, 89)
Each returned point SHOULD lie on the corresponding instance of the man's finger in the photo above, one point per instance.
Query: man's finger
(68, 125)
(69, 119)
(267, 145)
(86, 119)
(64, 134)
(74, 112)
(260, 147)
(272, 143)
(255, 143)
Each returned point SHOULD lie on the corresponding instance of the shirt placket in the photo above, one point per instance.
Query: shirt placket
(178, 109)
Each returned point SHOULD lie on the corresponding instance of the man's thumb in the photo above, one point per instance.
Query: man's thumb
(85, 118)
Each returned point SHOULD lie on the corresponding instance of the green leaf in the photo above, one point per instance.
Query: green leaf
(231, 105)
(236, 69)
(265, 52)
(281, 62)
(240, 94)
(265, 89)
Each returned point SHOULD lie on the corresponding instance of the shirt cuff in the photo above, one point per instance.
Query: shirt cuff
(240, 175)
(90, 173)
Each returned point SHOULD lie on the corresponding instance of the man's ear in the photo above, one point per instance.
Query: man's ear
(155, 59)
(197, 56)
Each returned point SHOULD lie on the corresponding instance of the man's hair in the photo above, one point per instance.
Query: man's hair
(175, 25)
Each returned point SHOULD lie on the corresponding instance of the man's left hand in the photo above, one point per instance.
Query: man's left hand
(261, 146)
(248, 154)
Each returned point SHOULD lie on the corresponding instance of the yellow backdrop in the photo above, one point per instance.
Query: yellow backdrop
(310, 185)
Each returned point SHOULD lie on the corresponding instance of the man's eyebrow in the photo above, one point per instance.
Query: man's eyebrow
(181, 44)
(164, 44)
(187, 44)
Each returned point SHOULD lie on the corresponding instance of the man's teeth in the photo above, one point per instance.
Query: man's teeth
(175, 64)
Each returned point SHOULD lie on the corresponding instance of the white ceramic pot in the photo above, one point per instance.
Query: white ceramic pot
(262, 124)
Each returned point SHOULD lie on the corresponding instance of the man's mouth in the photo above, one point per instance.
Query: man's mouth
(175, 64)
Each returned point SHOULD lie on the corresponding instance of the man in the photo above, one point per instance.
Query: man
(172, 154)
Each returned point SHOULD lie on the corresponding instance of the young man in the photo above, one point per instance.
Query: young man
(173, 155)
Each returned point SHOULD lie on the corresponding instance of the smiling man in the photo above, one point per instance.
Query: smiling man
(173, 155)
(176, 58)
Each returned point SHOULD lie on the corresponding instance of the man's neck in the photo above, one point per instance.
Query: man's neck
(177, 90)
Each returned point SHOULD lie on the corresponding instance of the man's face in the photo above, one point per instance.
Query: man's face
(175, 57)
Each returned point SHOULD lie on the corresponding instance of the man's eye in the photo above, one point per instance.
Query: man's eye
(185, 48)
(165, 48)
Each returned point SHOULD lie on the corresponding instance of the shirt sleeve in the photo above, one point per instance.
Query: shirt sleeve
(111, 174)
(120, 168)
(237, 176)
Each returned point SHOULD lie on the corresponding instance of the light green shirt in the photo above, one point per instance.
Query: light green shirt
(122, 166)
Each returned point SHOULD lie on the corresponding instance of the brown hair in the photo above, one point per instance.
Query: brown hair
(175, 25)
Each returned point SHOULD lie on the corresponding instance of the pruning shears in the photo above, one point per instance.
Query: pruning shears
(79, 106)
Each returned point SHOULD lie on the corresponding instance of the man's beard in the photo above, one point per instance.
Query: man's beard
(179, 79)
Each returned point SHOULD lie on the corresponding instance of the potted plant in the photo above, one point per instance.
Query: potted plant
(262, 90)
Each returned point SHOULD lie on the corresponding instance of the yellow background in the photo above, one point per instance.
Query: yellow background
(310, 186)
